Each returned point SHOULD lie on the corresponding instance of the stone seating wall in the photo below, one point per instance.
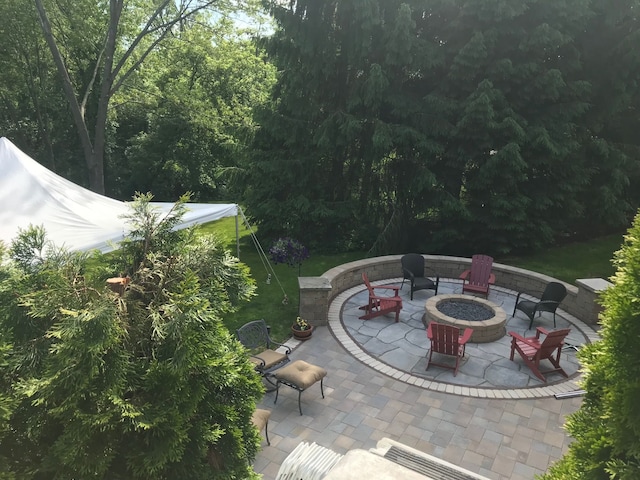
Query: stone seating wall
(316, 293)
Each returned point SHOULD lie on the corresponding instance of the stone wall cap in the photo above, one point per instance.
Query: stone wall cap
(319, 283)
(594, 284)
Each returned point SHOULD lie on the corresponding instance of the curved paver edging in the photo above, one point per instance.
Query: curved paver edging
(337, 328)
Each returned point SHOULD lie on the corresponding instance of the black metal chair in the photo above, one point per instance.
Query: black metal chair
(255, 337)
(551, 298)
(413, 267)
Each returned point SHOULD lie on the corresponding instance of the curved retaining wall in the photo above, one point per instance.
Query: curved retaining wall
(316, 293)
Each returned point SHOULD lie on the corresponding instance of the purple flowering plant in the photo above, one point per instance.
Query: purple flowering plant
(288, 250)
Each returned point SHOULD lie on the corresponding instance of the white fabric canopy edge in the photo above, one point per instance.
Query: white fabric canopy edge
(74, 217)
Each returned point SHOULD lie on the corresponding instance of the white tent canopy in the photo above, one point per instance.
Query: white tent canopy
(72, 216)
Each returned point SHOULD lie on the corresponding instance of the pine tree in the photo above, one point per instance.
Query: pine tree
(449, 122)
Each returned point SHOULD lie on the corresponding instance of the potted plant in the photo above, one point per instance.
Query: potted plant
(301, 329)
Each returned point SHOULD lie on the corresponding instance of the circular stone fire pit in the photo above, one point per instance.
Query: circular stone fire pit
(484, 331)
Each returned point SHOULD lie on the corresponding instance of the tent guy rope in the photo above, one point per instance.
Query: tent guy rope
(264, 258)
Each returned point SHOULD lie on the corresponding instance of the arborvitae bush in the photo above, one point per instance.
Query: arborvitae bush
(147, 385)
(606, 428)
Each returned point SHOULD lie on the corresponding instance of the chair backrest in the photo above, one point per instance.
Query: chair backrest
(445, 338)
(365, 279)
(254, 335)
(480, 269)
(414, 262)
(553, 294)
(552, 342)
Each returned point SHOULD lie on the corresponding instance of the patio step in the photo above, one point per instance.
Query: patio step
(390, 460)
(431, 467)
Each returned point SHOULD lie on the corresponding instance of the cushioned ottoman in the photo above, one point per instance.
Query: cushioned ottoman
(260, 419)
(299, 375)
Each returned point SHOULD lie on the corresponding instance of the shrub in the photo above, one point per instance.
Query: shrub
(147, 385)
(606, 428)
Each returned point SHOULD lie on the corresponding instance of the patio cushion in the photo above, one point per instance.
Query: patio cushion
(269, 357)
(301, 374)
(260, 418)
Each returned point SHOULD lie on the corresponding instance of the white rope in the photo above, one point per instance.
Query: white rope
(263, 258)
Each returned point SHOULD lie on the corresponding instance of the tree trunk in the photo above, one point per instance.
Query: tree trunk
(96, 180)
(113, 74)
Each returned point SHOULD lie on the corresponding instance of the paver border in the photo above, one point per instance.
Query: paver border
(337, 329)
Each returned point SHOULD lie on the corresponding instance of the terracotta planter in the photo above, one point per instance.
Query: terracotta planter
(301, 334)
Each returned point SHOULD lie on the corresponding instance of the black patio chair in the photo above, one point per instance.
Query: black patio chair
(413, 269)
(551, 298)
(255, 337)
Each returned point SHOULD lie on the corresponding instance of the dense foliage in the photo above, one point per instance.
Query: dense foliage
(146, 385)
(606, 428)
(170, 112)
(448, 125)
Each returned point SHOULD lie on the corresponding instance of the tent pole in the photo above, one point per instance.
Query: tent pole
(237, 236)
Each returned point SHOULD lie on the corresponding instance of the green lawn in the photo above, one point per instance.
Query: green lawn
(268, 303)
(569, 262)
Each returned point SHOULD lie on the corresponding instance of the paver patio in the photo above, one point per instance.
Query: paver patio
(367, 399)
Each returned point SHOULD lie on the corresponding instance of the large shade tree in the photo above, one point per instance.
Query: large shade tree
(97, 46)
(148, 384)
(186, 119)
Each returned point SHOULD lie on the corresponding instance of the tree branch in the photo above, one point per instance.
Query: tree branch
(163, 28)
(94, 75)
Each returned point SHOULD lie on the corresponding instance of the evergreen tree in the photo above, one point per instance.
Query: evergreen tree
(606, 428)
(147, 385)
(610, 144)
(457, 123)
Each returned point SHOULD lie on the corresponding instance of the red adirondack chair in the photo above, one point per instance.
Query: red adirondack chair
(533, 350)
(446, 339)
(381, 305)
(478, 278)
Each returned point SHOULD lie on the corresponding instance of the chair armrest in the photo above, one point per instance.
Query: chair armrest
(408, 274)
(434, 274)
(262, 362)
(466, 336)
(523, 340)
(395, 288)
(492, 279)
(549, 302)
(273, 342)
(377, 298)
(464, 275)
(541, 330)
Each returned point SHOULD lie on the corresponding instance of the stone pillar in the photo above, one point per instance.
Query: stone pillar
(589, 290)
(314, 299)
